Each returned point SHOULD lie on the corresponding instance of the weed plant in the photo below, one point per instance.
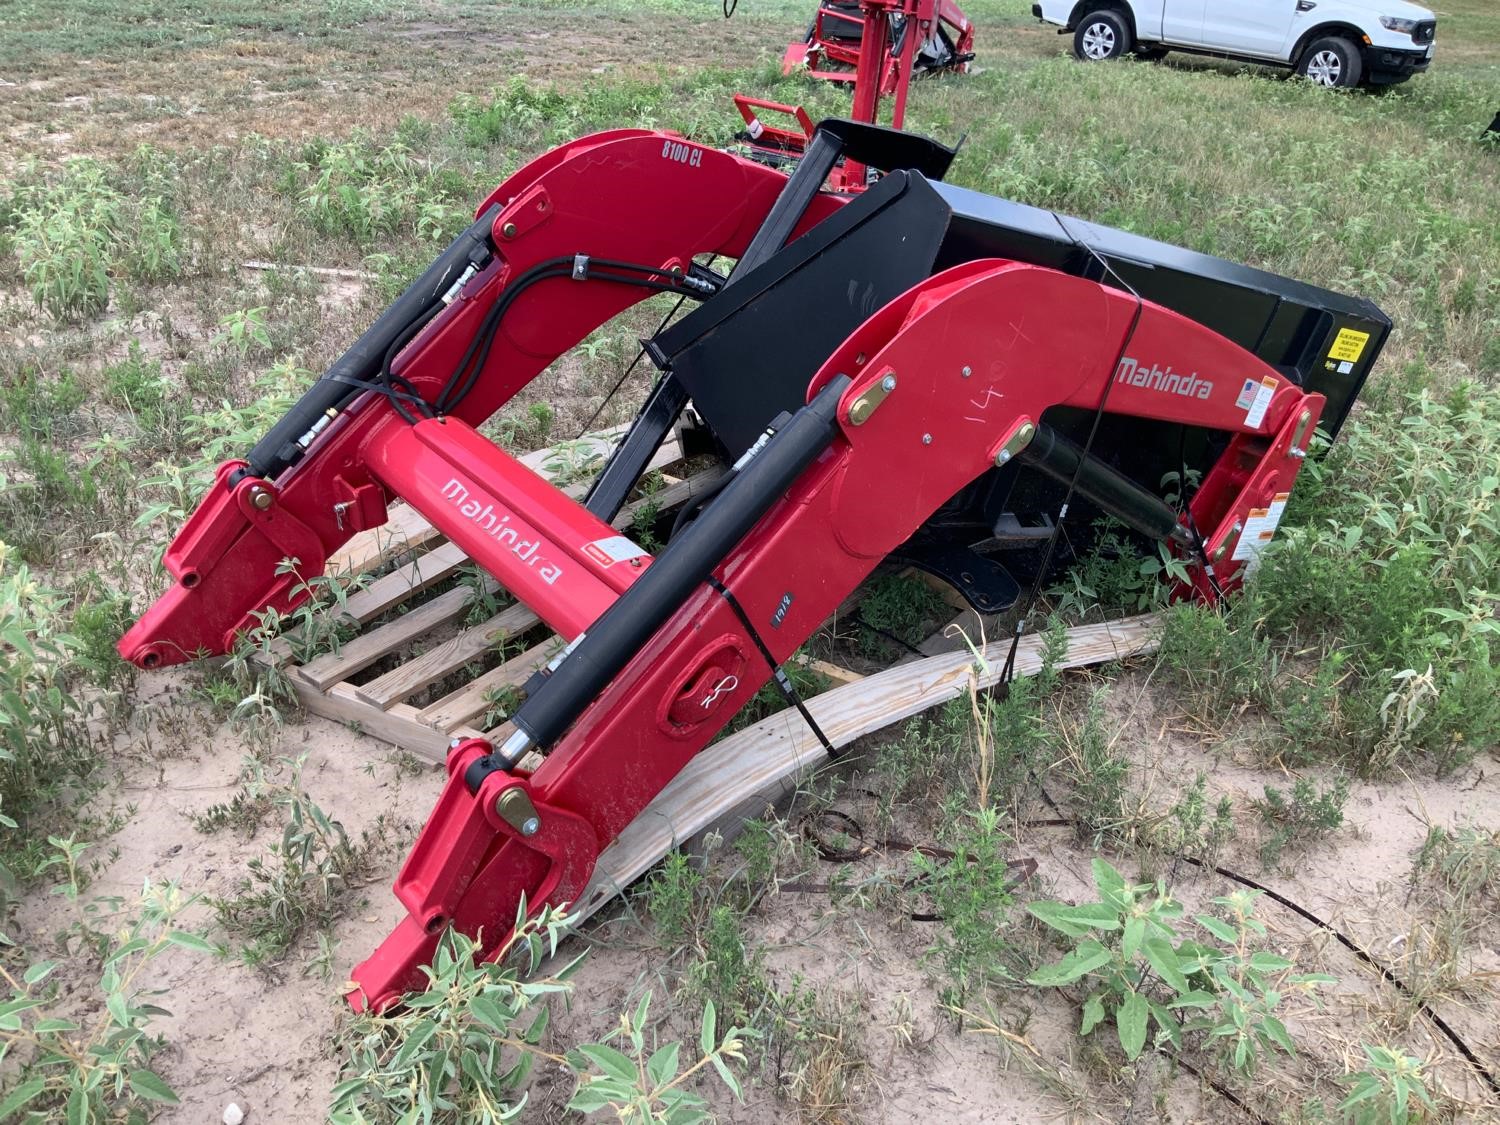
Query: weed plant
(299, 884)
(1297, 820)
(95, 1062)
(1128, 951)
(900, 607)
(971, 893)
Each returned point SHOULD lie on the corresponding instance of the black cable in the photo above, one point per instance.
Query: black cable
(469, 368)
(390, 382)
(695, 504)
(1008, 672)
(1348, 943)
(639, 355)
(777, 674)
(1185, 512)
(856, 619)
(462, 376)
(1280, 899)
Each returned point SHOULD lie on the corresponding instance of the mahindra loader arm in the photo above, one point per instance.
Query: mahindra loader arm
(874, 399)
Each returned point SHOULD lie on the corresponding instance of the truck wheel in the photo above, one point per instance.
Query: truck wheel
(1331, 62)
(1102, 35)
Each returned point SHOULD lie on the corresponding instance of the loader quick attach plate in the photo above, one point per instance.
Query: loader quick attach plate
(749, 354)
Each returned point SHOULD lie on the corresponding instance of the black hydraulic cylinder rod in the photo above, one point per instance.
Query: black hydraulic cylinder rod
(1060, 458)
(280, 447)
(618, 635)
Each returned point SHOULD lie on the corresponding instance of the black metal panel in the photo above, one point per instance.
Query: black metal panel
(748, 353)
(1292, 326)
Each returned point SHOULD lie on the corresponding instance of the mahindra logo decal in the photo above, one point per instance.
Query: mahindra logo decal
(1167, 381)
(495, 524)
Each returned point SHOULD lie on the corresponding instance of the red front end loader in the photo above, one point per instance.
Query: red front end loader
(916, 371)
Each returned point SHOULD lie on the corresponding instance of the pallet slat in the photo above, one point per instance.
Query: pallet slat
(362, 651)
(420, 672)
(392, 589)
(470, 701)
(398, 726)
(427, 669)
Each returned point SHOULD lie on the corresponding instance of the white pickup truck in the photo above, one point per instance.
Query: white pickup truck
(1330, 42)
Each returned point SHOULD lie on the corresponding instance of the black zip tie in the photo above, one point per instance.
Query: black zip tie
(777, 674)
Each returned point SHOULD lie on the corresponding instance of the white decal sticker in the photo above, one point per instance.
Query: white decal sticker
(1260, 529)
(1256, 414)
(617, 548)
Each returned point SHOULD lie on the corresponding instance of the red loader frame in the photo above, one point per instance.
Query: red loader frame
(929, 393)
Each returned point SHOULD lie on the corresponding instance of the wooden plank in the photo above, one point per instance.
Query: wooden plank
(835, 672)
(441, 660)
(398, 726)
(362, 651)
(404, 529)
(470, 702)
(768, 754)
(394, 588)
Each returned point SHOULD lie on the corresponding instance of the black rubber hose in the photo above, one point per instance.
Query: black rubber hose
(361, 364)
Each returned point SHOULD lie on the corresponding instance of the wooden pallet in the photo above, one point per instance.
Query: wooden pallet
(422, 636)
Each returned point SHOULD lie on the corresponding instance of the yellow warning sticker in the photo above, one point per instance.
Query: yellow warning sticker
(1349, 345)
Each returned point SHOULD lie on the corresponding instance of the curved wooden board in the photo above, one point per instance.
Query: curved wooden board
(779, 749)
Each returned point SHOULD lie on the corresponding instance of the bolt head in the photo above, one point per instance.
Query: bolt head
(926, 439)
(888, 384)
(1002, 457)
(530, 826)
(260, 498)
(968, 371)
(508, 230)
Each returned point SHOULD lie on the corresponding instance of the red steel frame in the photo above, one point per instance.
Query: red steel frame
(980, 351)
(879, 72)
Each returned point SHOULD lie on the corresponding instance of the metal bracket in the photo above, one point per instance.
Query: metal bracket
(868, 400)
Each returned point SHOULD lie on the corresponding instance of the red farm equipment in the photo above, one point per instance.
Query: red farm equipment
(913, 372)
(875, 45)
(909, 37)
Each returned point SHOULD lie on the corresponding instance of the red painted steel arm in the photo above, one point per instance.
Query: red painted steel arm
(979, 353)
(631, 195)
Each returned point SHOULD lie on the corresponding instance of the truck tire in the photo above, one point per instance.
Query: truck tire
(1102, 34)
(1333, 62)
